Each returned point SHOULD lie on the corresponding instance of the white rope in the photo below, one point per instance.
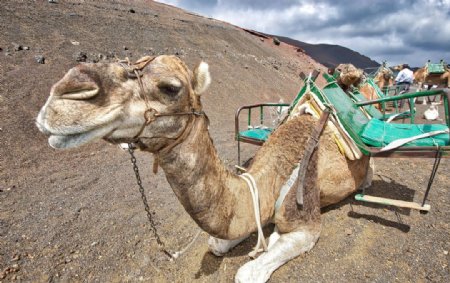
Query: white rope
(255, 198)
(400, 142)
(177, 254)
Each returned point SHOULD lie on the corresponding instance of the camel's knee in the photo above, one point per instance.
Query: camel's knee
(219, 247)
(298, 242)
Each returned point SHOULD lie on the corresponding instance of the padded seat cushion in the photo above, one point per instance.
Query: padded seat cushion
(379, 133)
(258, 134)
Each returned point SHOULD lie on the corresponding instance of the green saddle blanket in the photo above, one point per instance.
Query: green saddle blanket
(257, 133)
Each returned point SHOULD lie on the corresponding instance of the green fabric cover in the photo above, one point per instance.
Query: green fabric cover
(258, 134)
(379, 133)
(350, 114)
(436, 68)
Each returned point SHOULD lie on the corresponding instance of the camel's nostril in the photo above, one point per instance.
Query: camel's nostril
(77, 84)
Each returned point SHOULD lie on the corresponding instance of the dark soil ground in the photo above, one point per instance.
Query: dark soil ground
(76, 215)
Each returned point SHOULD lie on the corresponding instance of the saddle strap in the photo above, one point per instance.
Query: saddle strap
(310, 147)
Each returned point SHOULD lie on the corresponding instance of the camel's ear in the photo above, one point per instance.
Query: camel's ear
(202, 78)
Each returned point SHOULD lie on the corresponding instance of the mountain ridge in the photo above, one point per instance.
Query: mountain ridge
(331, 55)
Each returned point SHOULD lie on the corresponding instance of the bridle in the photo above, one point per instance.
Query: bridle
(135, 71)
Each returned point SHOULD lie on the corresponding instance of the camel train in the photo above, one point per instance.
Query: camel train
(155, 105)
(432, 74)
(437, 75)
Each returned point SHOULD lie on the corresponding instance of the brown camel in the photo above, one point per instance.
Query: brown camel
(384, 77)
(423, 77)
(155, 104)
(351, 76)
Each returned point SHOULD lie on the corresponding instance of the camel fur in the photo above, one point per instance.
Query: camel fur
(94, 101)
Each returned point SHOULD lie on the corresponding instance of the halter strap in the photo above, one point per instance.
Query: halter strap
(134, 71)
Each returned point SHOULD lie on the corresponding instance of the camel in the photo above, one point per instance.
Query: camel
(155, 104)
(351, 76)
(422, 76)
(384, 77)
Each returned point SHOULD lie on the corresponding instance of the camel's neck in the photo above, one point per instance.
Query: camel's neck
(217, 199)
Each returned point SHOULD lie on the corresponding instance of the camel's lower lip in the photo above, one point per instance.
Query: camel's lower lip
(68, 141)
(57, 140)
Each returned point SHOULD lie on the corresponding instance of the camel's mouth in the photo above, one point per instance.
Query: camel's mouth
(111, 133)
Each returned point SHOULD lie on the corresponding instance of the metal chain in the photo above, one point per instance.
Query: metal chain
(144, 201)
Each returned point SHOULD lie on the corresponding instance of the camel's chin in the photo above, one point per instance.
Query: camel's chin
(107, 133)
(69, 141)
(76, 140)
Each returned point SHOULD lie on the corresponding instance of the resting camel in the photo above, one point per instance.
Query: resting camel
(351, 76)
(155, 104)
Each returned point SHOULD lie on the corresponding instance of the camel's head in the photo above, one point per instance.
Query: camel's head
(387, 74)
(349, 74)
(107, 101)
(398, 67)
(384, 74)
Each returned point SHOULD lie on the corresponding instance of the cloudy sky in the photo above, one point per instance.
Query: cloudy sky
(398, 31)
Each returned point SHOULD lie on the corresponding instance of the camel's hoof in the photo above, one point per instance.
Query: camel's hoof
(219, 247)
(251, 272)
(216, 246)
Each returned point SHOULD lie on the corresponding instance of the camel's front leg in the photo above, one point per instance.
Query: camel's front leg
(287, 247)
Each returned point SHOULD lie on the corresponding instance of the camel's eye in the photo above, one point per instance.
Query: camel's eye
(170, 89)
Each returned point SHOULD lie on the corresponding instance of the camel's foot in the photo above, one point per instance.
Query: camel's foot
(219, 247)
(287, 247)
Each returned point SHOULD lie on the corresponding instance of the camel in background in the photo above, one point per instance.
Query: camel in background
(423, 76)
(384, 77)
